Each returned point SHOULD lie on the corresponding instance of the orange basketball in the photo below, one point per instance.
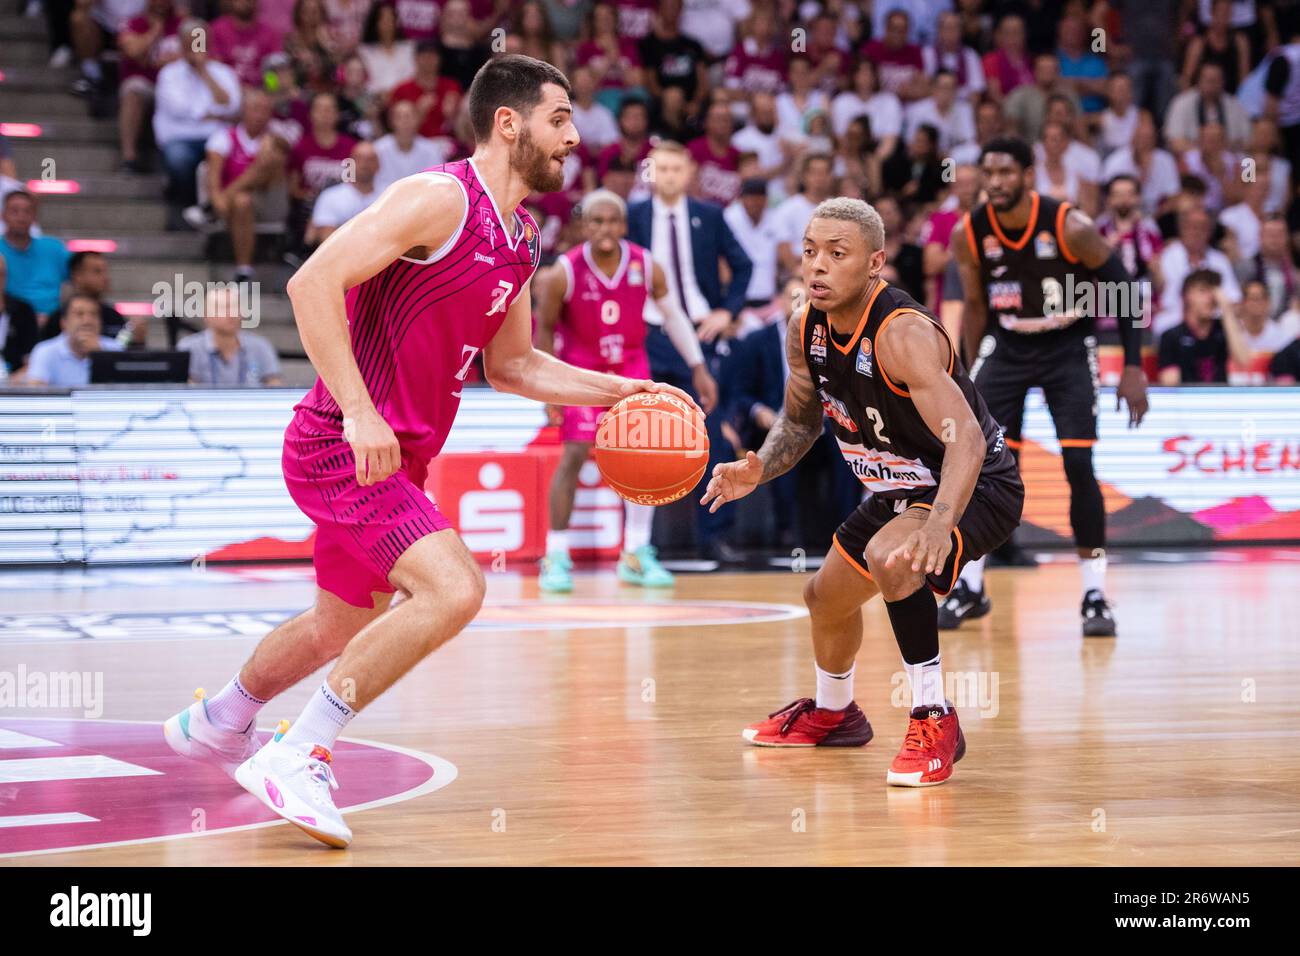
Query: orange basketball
(652, 448)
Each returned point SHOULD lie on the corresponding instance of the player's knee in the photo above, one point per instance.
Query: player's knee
(463, 596)
(824, 601)
(894, 581)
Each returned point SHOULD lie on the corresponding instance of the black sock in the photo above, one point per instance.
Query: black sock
(916, 625)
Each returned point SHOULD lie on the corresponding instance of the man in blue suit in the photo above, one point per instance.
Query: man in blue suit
(688, 237)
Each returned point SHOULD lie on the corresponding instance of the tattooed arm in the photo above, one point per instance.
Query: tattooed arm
(797, 427)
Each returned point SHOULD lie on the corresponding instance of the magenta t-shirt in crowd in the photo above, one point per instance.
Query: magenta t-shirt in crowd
(318, 166)
(718, 176)
(243, 47)
(418, 18)
(755, 70)
(167, 40)
(617, 76)
(636, 17)
(895, 67)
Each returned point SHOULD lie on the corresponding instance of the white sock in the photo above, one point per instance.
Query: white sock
(834, 691)
(1094, 573)
(927, 683)
(321, 721)
(637, 520)
(91, 68)
(234, 708)
(557, 542)
(973, 575)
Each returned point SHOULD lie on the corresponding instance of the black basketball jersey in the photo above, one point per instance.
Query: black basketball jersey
(1031, 280)
(881, 434)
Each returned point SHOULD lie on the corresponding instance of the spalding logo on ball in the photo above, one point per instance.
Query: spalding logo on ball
(652, 448)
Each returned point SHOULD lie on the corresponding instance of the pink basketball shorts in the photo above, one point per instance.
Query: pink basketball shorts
(360, 531)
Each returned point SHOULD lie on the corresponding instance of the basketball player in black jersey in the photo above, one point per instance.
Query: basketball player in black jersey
(1025, 259)
(944, 488)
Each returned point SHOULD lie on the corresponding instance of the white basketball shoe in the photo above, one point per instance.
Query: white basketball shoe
(191, 734)
(295, 782)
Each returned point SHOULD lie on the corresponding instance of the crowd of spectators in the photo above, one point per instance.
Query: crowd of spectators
(1175, 123)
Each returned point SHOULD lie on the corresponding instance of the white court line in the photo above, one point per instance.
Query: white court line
(79, 767)
(444, 772)
(45, 819)
(13, 740)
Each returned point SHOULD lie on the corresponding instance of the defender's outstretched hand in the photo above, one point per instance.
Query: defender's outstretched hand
(732, 480)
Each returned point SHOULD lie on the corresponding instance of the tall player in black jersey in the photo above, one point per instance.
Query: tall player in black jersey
(1027, 259)
(944, 488)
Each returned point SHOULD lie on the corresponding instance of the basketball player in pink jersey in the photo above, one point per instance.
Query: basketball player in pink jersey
(393, 308)
(593, 299)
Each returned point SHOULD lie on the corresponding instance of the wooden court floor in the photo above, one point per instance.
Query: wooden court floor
(1177, 743)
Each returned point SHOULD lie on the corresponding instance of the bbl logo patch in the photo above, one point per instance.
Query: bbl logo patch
(634, 274)
(864, 358)
(1045, 245)
(992, 248)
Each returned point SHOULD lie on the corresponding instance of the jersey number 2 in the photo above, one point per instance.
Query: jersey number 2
(879, 423)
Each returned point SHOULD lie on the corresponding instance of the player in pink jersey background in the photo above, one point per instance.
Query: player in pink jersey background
(593, 301)
(392, 309)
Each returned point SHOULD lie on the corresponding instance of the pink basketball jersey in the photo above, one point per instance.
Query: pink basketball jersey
(418, 325)
(602, 323)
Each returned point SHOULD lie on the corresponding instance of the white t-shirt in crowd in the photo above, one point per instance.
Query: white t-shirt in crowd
(790, 118)
(183, 103)
(1176, 267)
(1117, 130)
(1243, 222)
(883, 109)
(792, 217)
(767, 146)
(955, 128)
(1161, 179)
(385, 69)
(595, 124)
(712, 23)
(338, 203)
(1082, 161)
(394, 164)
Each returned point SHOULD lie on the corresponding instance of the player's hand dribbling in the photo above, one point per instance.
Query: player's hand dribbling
(927, 548)
(631, 386)
(373, 445)
(732, 480)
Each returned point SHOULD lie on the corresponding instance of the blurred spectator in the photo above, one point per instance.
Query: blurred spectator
(388, 56)
(359, 108)
(1131, 233)
(673, 60)
(937, 231)
(829, 59)
(567, 16)
(689, 238)
(1150, 32)
(338, 203)
(37, 264)
(792, 215)
(1285, 367)
(1245, 218)
(945, 111)
(8, 169)
(89, 275)
(631, 151)
(948, 53)
(18, 329)
(224, 353)
(1082, 70)
(864, 98)
(796, 105)
(1154, 168)
(418, 19)
(636, 18)
(1282, 89)
(1206, 102)
(1214, 164)
(93, 25)
(611, 54)
(989, 123)
(311, 47)
(754, 225)
(712, 23)
(1218, 43)
(1273, 266)
(595, 123)
(1056, 177)
(436, 96)
(1026, 107)
(404, 152)
(196, 97)
(458, 42)
(147, 43)
(347, 21)
(530, 26)
(1264, 143)
(317, 161)
(1197, 350)
(899, 60)
(64, 362)
(915, 172)
(904, 261)
(1263, 335)
(1120, 117)
(757, 64)
(1191, 252)
(976, 24)
(921, 15)
(856, 158)
(241, 41)
(245, 176)
(717, 162)
(1009, 65)
(760, 136)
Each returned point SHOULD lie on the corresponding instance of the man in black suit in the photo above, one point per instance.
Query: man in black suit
(687, 237)
(18, 329)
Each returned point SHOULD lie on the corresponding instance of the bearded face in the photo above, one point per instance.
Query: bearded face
(541, 171)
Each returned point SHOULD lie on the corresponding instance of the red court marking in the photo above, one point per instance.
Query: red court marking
(162, 806)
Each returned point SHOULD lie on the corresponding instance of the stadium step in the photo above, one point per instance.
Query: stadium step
(42, 79)
(66, 129)
(143, 245)
(15, 26)
(103, 216)
(71, 160)
(56, 104)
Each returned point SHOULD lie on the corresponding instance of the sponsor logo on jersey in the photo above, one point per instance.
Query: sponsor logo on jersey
(817, 348)
(490, 260)
(634, 274)
(998, 272)
(1045, 245)
(992, 248)
(864, 358)
(489, 225)
(837, 410)
(883, 470)
(1005, 296)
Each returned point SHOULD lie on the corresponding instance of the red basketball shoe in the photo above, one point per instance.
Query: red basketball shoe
(934, 742)
(804, 724)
